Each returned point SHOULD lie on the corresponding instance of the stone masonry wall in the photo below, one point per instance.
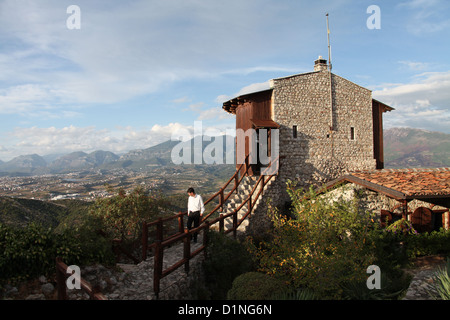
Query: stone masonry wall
(318, 155)
(374, 202)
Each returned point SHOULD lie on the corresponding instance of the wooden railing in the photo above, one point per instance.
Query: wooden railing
(237, 177)
(184, 235)
(61, 278)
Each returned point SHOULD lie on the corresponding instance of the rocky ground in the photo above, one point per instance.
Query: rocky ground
(423, 271)
(120, 283)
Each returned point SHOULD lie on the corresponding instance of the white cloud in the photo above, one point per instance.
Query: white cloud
(415, 66)
(215, 113)
(123, 51)
(427, 16)
(422, 103)
(255, 87)
(52, 140)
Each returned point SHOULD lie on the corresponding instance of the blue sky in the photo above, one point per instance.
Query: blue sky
(137, 70)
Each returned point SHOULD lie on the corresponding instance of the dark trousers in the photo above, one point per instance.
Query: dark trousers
(193, 217)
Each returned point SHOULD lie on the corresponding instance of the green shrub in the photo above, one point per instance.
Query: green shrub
(441, 281)
(25, 252)
(227, 259)
(31, 251)
(122, 215)
(428, 243)
(299, 294)
(327, 244)
(255, 286)
(392, 287)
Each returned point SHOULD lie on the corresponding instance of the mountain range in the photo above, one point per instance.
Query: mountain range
(415, 148)
(403, 148)
(156, 156)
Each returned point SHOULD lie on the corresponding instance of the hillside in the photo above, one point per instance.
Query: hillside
(408, 148)
(20, 212)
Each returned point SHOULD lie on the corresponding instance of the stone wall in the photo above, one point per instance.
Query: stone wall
(317, 154)
(374, 202)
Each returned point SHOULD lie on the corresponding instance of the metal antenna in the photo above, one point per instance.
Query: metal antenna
(329, 46)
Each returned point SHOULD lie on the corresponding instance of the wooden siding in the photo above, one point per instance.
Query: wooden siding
(377, 111)
(257, 106)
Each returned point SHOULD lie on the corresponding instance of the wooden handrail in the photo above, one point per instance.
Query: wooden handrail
(222, 200)
(61, 277)
(185, 235)
(237, 182)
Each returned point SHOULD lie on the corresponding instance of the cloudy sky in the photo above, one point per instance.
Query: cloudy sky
(135, 71)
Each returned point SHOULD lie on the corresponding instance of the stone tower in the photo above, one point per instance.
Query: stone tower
(328, 126)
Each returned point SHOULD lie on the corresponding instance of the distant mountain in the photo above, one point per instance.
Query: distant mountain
(403, 148)
(408, 148)
(81, 160)
(26, 164)
(156, 156)
(159, 155)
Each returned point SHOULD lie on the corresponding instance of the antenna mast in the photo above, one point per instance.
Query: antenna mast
(329, 46)
(331, 90)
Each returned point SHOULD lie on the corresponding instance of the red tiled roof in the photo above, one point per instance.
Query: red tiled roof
(403, 184)
(410, 182)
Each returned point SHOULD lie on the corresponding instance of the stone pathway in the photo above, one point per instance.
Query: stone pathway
(421, 287)
(137, 281)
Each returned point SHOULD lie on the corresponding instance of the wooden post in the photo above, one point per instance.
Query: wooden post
(205, 237)
(180, 223)
(144, 240)
(60, 281)
(235, 224)
(158, 259)
(447, 218)
(405, 210)
(221, 223)
(187, 249)
(236, 182)
(221, 199)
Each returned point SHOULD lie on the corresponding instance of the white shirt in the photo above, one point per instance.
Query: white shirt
(196, 204)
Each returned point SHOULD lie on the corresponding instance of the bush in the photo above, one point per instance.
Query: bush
(31, 251)
(327, 244)
(227, 259)
(441, 281)
(255, 286)
(25, 252)
(424, 244)
(122, 215)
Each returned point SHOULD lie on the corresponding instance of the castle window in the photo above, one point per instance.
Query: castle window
(352, 133)
(294, 132)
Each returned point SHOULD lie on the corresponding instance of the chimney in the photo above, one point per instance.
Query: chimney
(320, 64)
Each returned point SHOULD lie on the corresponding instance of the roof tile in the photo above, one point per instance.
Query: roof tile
(412, 182)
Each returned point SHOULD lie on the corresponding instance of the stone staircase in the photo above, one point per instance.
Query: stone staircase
(236, 199)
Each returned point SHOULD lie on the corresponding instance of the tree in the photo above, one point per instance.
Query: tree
(122, 215)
